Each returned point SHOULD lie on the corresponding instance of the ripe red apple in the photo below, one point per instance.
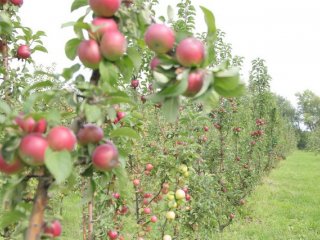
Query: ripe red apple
(11, 167)
(231, 216)
(54, 229)
(134, 83)
(145, 201)
(23, 52)
(116, 195)
(143, 99)
(61, 138)
(136, 182)
(242, 201)
(32, 149)
(105, 157)
(124, 210)
(147, 210)
(41, 126)
(147, 195)
(155, 62)
(90, 133)
(206, 128)
(112, 234)
(103, 26)
(120, 115)
(195, 83)
(188, 197)
(89, 53)
(26, 124)
(160, 38)
(113, 45)
(105, 8)
(190, 52)
(154, 219)
(17, 2)
(149, 167)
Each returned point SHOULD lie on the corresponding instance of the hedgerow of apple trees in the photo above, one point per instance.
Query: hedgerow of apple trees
(142, 171)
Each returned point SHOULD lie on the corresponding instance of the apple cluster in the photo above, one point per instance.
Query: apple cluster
(105, 39)
(188, 53)
(13, 2)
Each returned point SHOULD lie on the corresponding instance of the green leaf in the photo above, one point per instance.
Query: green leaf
(78, 4)
(178, 87)
(109, 73)
(124, 132)
(37, 86)
(211, 23)
(227, 79)
(126, 189)
(236, 92)
(126, 67)
(4, 107)
(9, 218)
(93, 113)
(69, 72)
(71, 48)
(5, 23)
(40, 49)
(135, 57)
(170, 108)
(59, 164)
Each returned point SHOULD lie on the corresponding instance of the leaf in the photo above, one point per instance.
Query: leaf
(4, 107)
(227, 79)
(109, 73)
(126, 67)
(170, 109)
(135, 57)
(124, 132)
(59, 164)
(71, 48)
(236, 92)
(40, 49)
(178, 87)
(170, 13)
(68, 72)
(5, 23)
(93, 113)
(78, 4)
(211, 23)
(126, 189)
(37, 86)
(9, 218)
(9, 148)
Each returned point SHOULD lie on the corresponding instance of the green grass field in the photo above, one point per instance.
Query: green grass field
(286, 206)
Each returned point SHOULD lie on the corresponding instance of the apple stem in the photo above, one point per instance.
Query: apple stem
(40, 202)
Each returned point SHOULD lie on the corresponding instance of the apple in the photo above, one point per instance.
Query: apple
(32, 149)
(105, 8)
(105, 157)
(165, 185)
(103, 26)
(195, 83)
(172, 204)
(154, 219)
(116, 195)
(167, 237)
(113, 45)
(159, 38)
(149, 167)
(23, 52)
(134, 83)
(89, 53)
(26, 124)
(155, 62)
(41, 126)
(180, 194)
(232, 216)
(145, 201)
(120, 115)
(147, 195)
(143, 99)
(242, 201)
(183, 168)
(54, 229)
(90, 133)
(17, 2)
(124, 210)
(112, 234)
(136, 182)
(190, 52)
(206, 128)
(188, 197)
(61, 138)
(170, 215)
(147, 210)
(11, 167)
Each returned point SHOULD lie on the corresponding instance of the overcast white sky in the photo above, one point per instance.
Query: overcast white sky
(286, 33)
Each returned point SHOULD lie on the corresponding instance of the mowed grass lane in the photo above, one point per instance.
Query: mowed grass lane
(286, 206)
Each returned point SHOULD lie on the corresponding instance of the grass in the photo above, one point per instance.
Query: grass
(286, 206)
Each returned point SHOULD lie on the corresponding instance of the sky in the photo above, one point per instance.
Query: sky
(283, 32)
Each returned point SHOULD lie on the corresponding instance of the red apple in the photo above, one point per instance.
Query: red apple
(103, 26)
(190, 52)
(105, 8)
(195, 83)
(61, 138)
(155, 62)
(147, 195)
(11, 167)
(23, 52)
(160, 38)
(54, 229)
(206, 128)
(90, 133)
(188, 197)
(32, 149)
(112, 234)
(120, 115)
(231, 216)
(134, 83)
(116, 195)
(136, 182)
(149, 167)
(26, 124)
(154, 219)
(147, 210)
(17, 2)
(41, 126)
(143, 99)
(89, 53)
(113, 45)
(105, 157)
